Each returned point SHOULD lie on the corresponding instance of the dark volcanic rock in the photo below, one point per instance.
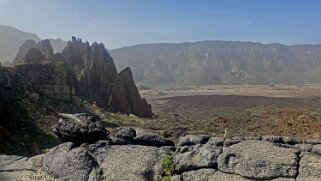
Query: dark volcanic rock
(80, 128)
(124, 136)
(152, 140)
(126, 98)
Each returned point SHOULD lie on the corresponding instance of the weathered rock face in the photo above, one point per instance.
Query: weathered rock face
(82, 70)
(200, 159)
(80, 128)
(126, 98)
(49, 78)
(258, 160)
(94, 69)
(99, 81)
(68, 163)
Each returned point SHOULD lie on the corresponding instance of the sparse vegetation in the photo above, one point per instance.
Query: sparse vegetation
(168, 167)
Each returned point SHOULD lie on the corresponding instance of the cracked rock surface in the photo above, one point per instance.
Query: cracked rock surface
(196, 158)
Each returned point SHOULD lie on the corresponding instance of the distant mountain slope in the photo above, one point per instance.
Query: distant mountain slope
(221, 62)
(11, 39)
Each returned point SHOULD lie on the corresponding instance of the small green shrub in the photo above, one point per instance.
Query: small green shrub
(168, 167)
(166, 178)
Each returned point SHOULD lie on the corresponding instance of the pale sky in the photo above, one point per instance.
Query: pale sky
(119, 23)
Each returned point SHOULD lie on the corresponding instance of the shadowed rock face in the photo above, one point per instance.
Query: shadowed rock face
(94, 69)
(126, 98)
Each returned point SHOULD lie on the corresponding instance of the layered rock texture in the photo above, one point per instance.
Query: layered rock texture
(196, 157)
(82, 70)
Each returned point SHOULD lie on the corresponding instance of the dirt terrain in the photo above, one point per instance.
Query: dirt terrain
(245, 110)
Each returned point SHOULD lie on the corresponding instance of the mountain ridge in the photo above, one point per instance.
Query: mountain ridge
(12, 38)
(221, 62)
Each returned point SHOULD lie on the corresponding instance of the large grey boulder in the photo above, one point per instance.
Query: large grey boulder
(310, 168)
(195, 157)
(131, 162)
(258, 160)
(80, 128)
(67, 163)
(316, 149)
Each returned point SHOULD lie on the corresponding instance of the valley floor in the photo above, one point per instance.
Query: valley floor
(243, 110)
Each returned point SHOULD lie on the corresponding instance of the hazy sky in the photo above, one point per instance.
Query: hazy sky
(119, 23)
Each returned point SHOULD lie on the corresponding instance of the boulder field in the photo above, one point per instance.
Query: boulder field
(135, 154)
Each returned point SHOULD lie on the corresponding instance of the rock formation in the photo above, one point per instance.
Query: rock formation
(23, 50)
(94, 69)
(45, 47)
(196, 157)
(125, 96)
(80, 128)
(82, 70)
(31, 51)
(34, 55)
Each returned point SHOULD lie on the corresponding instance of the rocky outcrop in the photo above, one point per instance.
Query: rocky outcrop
(196, 157)
(94, 69)
(82, 70)
(99, 81)
(34, 55)
(48, 78)
(80, 128)
(30, 51)
(126, 98)
(45, 47)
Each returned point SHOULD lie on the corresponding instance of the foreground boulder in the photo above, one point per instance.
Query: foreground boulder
(67, 163)
(80, 128)
(258, 160)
